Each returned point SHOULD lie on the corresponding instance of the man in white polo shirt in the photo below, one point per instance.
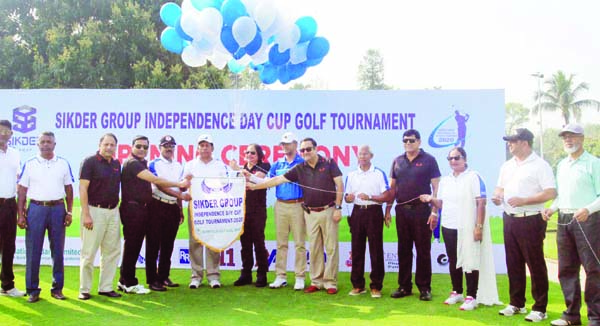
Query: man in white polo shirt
(525, 183)
(46, 179)
(10, 162)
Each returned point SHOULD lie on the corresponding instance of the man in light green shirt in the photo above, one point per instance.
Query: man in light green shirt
(578, 237)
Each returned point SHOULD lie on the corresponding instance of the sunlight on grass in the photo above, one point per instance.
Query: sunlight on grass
(246, 311)
(360, 309)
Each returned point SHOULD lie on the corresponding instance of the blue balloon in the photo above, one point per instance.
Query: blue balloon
(201, 4)
(268, 75)
(254, 67)
(171, 40)
(296, 71)
(180, 31)
(232, 10)
(235, 67)
(317, 48)
(239, 53)
(254, 45)
(278, 58)
(170, 13)
(308, 28)
(228, 41)
(313, 62)
(283, 74)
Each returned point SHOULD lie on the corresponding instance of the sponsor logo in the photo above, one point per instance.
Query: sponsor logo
(24, 119)
(184, 256)
(452, 131)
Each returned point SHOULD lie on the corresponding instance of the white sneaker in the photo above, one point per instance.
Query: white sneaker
(536, 316)
(512, 310)
(215, 284)
(454, 298)
(135, 289)
(14, 292)
(299, 284)
(195, 283)
(278, 283)
(469, 304)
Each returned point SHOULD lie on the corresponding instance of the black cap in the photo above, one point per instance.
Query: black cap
(521, 134)
(167, 140)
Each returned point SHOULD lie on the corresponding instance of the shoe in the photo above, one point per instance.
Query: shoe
(243, 281)
(215, 284)
(33, 298)
(375, 293)
(58, 295)
(84, 296)
(357, 291)
(469, 304)
(454, 298)
(195, 283)
(110, 294)
(425, 296)
(14, 292)
(156, 286)
(332, 291)
(512, 310)
(261, 282)
(400, 293)
(299, 285)
(311, 289)
(134, 289)
(169, 283)
(279, 283)
(536, 316)
(563, 322)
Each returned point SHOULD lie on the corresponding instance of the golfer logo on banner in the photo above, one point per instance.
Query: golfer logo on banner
(217, 210)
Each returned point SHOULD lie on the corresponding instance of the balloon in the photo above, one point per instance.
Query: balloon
(186, 5)
(317, 48)
(283, 74)
(232, 10)
(204, 45)
(202, 4)
(268, 75)
(210, 22)
(255, 45)
(288, 37)
(296, 71)
(190, 23)
(308, 28)
(192, 57)
(298, 53)
(265, 15)
(171, 40)
(250, 5)
(235, 67)
(239, 53)
(313, 62)
(170, 13)
(228, 40)
(244, 30)
(278, 58)
(180, 31)
(262, 55)
(219, 59)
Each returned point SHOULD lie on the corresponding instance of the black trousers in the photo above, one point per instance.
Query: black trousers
(254, 236)
(456, 274)
(524, 245)
(8, 235)
(573, 252)
(163, 224)
(367, 223)
(412, 227)
(134, 217)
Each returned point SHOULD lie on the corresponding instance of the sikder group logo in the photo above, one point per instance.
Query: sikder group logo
(24, 119)
(452, 131)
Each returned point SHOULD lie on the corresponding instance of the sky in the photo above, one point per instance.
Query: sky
(458, 44)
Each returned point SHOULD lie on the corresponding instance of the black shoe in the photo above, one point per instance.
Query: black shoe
(58, 295)
(243, 281)
(156, 286)
(400, 293)
(33, 298)
(261, 282)
(84, 296)
(425, 296)
(110, 294)
(169, 283)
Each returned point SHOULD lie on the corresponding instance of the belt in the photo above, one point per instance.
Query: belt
(47, 202)
(164, 200)
(104, 206)
(133, 202)
(4, 200)
(410, 206)
(524, 214)
(291, 201)
(567, 210)
(365, 206)
(317, 209)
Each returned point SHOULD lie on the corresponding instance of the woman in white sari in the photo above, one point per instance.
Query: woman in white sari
(466, 232)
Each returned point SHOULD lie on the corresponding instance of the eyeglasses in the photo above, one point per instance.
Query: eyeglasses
(250, 153)
(168, 146)
(145, 147)
(307, 149)
(409, 140)
(456, 158)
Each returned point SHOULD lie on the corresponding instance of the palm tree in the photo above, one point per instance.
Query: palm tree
(562, 95)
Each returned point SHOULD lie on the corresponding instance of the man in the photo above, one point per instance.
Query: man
(289, 216)
(578, 238)
(525, 183)
(47, 180)
(323, 190)
(99, 182)
(10, 162)
(136, 196)
(367, 187)
(204, 166)
(413, 173)
(165, 218)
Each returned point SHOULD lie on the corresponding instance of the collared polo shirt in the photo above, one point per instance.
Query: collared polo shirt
(169, 170)
(372, 182)
(256, 200)
(578, 182)
(452, 192)
(46, 179)
(525, 179)
(199, 169)
(414, 178)
(288, 190)
(132, 187)
(319, 187)
(10, 162)
(104, 178)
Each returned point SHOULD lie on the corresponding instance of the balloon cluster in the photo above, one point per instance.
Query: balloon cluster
(240, 34)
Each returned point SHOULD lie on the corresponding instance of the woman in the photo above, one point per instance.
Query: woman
(254, 221)
(466, 232)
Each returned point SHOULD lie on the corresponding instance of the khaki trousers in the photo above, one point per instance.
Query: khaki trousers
(213, 259)
(289, 217)
(323, 234)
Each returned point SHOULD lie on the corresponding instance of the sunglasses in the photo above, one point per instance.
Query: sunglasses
(409, 140)
(145, 147)
(307, 149)
(250, 153)
(168, 146)
(456, 158)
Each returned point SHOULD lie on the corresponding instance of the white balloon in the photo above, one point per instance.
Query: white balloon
(288, 37)
(275, 28)
(262, 55)
(186, 5)
(298, 53)
(190, 23)
(245, 60)
(250, 5)
(243, 30)
(211, 22)
(192, 57)
(219, 60)
(204, 45)
(265, 15)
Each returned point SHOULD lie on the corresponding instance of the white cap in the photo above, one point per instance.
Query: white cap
(205, 137)
(288, 138)
(572, 128)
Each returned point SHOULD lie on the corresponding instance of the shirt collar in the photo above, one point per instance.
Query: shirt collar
(41, 159)
(371, 169)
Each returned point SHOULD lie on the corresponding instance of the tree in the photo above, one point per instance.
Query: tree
(300, 86)
(562, 94)
(371, 71)
(516, 116)
(248, 79)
